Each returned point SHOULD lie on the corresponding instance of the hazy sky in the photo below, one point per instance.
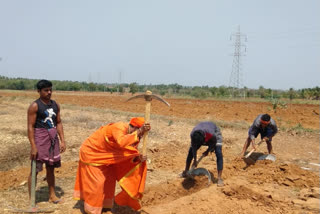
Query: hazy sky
(162, 42)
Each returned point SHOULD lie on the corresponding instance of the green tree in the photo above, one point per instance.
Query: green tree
(291, 94)
(223, 91)
(92, 87)
(133, 88)
(121, 89)
(261, 92)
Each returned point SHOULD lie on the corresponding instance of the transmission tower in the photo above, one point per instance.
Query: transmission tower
(236, 83)
(119, 80)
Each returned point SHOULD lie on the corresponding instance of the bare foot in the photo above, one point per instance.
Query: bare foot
(220, 183)
(106, 211)
(56, 200)
(184, 174)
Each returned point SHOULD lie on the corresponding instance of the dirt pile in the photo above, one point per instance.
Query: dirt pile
(173, 189)
(13, 178)
(266, 171)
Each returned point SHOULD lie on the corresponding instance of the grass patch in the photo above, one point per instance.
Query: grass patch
(4, 112)
(19, 132)
(299, 129)
(94, 124)
(234, 125)
(15, 155)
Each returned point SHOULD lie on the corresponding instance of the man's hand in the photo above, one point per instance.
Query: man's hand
(143, 158)
(195, 164)
(145, 128)
(205, 153)
(33, 152)
(62, 147)
(239, 157)
(265, 139)
(140, 158)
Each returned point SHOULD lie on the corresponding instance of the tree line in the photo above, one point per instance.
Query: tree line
(163, 89)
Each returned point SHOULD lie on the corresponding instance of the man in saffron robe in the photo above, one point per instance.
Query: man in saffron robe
(110, 154)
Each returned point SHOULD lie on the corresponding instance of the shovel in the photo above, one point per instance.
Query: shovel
(248, 159)
(33, 208)
(200, 171)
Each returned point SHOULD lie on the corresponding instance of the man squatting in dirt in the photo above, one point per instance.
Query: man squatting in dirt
(111, 154)
(205, 134)
(44, 123)
(266, 127)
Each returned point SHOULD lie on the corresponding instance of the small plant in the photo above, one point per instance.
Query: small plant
(279, 121)
(170, 123)
(278, 103)
(299, 129)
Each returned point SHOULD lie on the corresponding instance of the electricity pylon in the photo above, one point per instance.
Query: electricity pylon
(236, 83)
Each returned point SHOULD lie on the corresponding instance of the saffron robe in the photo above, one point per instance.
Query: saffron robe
(108, 156)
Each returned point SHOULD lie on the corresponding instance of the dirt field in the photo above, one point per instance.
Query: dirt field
(288, 185)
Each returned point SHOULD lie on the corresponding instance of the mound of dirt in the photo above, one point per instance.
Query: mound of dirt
(266, 171)
(13, 178)
(244, 193)
(173, 189)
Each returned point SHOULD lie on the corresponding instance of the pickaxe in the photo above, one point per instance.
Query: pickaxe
(148, 96)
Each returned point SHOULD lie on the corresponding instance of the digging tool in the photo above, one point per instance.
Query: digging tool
(33, 208)
(267, 157)
(247, 159)
(148, 96)
(200, 171)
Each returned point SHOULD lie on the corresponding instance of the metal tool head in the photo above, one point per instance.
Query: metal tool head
(201, 171)
(267, 157)
(148, 96)
(251, 160)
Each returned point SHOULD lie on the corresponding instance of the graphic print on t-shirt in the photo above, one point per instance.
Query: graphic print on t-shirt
(49, 112)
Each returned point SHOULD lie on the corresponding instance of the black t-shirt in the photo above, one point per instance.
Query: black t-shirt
(46, 114)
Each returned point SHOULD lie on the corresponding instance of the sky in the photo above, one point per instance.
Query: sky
(188, 42)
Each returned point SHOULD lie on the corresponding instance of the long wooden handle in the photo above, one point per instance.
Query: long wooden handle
(250, 153)
(33, 184)
(145, 135)
(258, 144)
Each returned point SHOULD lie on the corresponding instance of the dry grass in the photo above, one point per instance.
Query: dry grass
(15, 155)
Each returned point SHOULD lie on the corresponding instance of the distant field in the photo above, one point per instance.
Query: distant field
(302, 115)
